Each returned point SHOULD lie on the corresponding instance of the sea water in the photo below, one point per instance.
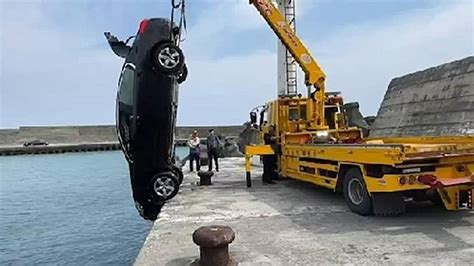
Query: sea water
(69, 209)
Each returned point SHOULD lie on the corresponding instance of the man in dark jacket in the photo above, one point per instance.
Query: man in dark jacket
(269, 161)
(213, 145)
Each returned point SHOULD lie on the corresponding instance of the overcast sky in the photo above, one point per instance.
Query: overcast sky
(57, 69)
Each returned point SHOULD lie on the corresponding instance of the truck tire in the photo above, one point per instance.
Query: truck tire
(435, 198)
(355, 192)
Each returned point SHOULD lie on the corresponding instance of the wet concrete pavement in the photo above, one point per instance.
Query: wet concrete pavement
(295, 223)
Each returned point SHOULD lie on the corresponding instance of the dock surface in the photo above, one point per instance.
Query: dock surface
(295, 223)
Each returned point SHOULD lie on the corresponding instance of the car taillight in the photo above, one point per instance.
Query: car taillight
(143, 26)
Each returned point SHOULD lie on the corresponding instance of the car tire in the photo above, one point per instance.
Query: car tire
(355, 192)
(182, 75)
(167, 58)
(164, 186)
(179, 173)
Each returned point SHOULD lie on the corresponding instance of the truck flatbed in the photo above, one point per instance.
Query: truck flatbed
(440, 167)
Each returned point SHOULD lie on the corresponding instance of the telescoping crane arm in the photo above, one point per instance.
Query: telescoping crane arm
(314, 75)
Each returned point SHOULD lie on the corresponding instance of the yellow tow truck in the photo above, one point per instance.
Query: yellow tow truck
(376, 176)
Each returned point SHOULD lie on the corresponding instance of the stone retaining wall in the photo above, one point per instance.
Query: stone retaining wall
(92, 134)
(438, 101)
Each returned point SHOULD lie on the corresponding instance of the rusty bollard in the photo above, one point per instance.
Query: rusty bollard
(213, 242)
(205, 178)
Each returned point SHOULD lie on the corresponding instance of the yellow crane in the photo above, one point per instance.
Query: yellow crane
(314, 75)
(315, 145)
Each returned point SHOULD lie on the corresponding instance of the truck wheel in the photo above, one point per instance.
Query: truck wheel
(355, 192)
(435, 198)
(164, 186)
(167, 58)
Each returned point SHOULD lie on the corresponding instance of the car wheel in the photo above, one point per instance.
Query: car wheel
(183, 74)
(177, 171)
(167, 58)
(355, 192)
(164, 186)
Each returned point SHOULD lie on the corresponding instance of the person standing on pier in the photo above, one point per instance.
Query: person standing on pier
(194, 153)
(213, 145)
(269, 161)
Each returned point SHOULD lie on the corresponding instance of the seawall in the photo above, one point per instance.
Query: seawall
(438, 101)
(94, 134)
(85, 138)
(59, 148)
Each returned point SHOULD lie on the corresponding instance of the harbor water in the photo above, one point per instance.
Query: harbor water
(69, 209)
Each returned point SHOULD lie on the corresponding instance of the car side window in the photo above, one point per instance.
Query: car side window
(126, 85)
(125, 105)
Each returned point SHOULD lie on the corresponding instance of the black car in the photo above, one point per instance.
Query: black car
(146, 111)
(35, 143)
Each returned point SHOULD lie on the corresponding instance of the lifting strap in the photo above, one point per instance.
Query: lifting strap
(179, 6)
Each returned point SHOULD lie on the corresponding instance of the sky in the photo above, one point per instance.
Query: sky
(56, 67)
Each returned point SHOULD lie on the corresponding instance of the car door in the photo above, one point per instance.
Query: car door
(126, 109)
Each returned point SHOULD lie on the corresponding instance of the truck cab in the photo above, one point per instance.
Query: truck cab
(290, 115)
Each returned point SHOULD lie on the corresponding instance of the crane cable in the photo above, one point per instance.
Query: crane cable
(179, 5)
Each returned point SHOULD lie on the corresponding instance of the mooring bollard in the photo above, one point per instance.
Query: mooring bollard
(205, 178)
(213, 242)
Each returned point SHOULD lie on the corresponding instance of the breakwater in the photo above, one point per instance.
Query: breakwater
(437, 101)
(63, 139)
(52, 149)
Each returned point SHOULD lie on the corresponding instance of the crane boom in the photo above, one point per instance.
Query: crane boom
(287, 85)
(314, 75)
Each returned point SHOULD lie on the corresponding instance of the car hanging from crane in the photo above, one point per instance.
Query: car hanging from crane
(146, 109)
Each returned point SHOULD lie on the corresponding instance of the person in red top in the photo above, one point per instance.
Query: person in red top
(194, 153)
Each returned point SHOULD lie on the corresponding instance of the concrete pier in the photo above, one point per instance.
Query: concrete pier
(295, 223)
